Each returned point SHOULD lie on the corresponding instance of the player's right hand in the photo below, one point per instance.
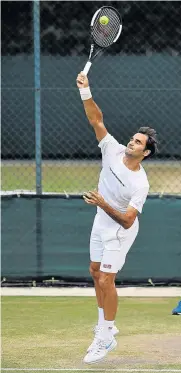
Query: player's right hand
(82, 80)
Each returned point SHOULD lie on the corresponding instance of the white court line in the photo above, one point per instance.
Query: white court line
(89, 370)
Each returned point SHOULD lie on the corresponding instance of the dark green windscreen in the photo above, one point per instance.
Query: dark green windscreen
(50, 237)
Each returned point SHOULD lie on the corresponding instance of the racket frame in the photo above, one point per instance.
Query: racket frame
(93, 44)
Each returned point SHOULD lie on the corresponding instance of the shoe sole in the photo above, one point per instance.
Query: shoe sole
(176, 313)
(111, 348)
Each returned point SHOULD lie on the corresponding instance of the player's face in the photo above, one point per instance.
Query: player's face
(136, 146)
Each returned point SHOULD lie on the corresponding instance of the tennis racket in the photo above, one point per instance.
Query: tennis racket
(106, 27)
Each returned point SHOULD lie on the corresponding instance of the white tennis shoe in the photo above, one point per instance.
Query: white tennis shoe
(97, 331)
(100, 350)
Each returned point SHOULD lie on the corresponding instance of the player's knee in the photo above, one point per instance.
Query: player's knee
(106, 281)
(94, 270)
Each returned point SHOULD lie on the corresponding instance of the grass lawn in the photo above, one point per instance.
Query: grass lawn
(54, 332)
(77, 177)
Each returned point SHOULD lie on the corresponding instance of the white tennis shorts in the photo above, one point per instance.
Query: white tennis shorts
(110, 245)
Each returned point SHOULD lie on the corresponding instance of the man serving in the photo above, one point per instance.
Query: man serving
(122, 191)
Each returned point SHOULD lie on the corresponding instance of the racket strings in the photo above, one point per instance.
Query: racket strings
(104, 35)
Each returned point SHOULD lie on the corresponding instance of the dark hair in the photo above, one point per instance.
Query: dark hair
(152, 142)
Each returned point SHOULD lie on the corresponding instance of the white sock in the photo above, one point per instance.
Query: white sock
(108, 325)
(100, 316)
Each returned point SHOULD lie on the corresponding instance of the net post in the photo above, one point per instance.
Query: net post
(37, 89)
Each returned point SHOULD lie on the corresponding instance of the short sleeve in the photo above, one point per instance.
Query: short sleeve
(138, 199)
(110, 145)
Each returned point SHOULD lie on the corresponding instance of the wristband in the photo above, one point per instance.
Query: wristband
(85, 93)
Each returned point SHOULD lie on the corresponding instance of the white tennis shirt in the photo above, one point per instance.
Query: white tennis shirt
(118, 185)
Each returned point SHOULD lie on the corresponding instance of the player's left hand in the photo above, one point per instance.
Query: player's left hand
(94, 198)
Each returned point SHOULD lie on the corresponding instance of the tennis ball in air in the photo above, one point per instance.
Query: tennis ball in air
(103, 20)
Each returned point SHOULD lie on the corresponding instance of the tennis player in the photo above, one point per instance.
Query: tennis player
(122, 190)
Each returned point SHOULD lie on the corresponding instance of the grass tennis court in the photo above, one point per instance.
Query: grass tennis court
(77, 177)
(54, 332)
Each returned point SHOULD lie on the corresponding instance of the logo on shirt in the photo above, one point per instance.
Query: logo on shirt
(107, 266)
(116, 176)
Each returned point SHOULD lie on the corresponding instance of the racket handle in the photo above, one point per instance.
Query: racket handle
(87, 67)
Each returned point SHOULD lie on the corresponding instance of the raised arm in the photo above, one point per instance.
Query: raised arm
(93, 112)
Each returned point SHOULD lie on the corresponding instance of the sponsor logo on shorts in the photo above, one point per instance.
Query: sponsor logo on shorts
(107, 266)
